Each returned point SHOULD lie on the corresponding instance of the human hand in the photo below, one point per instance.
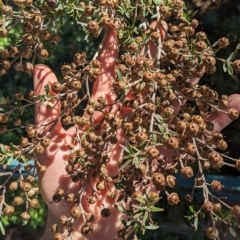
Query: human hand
(55, 156)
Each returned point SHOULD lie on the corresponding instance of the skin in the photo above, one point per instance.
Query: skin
(56, 155)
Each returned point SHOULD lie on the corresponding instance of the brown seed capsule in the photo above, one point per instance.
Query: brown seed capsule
(171, 181)
(43, 53)
(172, 143)
(100, 186)
(75, 85)
(233, 114)
(190, 149)
(18, 201)
(215, 158)
(105, 212)
(13, 186)
(217, 207)
(212, 233)
(6, 64)
(72, 159)
(148, 76)
(168, 112)
(237, 166)
(192, 128)
(75, 212)
(39, 149)
(89, 10)
(141, 137)
(26, 187)
(66, 120)
(28, 167)
(57, 87)
(42, 169)
(89, 217)
(93, 26)
(25, 217)
(173, 199)
(56, 38)
(91, 199)
(45, 142)
(235, 211)
(63, 220)
(34, 203)
(216, 185)
(8, 210)
(236, 66)
(60, 192)
(54, 228)
(158, 179)
(86, 230)
(223, 42)
(153, 197)
(70, 198)
(208, 206)
(58, 236)
(200, 46)
(151, 107)
(152, 152)
(209, 61)
(222, 145)
(201, 35)
(187, 172)
(3, 32)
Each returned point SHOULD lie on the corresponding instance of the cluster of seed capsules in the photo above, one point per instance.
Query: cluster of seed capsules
(166, 112)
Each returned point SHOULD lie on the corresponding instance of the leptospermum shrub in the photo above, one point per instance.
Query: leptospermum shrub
(168, 110)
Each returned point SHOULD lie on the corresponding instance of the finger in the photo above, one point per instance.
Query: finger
(221, 120)
(46, 113)
(103, 84)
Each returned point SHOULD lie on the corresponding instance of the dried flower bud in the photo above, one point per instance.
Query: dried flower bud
(8, 210)
(86, 230)
(173, 199)
(208, 206)
(75, 212)
(235, 211)
(212, 233)
(171, 181)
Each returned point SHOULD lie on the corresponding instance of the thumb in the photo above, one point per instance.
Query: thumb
(47, 109)
(221, 120)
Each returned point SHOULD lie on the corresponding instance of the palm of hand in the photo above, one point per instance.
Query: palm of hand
(56, 155)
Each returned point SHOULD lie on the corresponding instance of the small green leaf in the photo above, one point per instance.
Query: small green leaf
(215, 44)
(229, 68)
(232, 55)
(224, 67)
(189, 217)
(121, 208)
(156, 209)
(136, 227)
(145, 217)
(3, 149)
(202, 215)
(196, 223)
(2, 228)
(152, 227)
(125, 164)
(232, 231)
(137, 215)
(119, 75)
(4, 220)
(10, 160)
(141, 200)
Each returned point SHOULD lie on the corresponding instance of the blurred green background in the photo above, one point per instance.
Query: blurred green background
(218, 18)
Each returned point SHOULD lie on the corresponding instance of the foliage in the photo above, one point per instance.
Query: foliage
(39, 31)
